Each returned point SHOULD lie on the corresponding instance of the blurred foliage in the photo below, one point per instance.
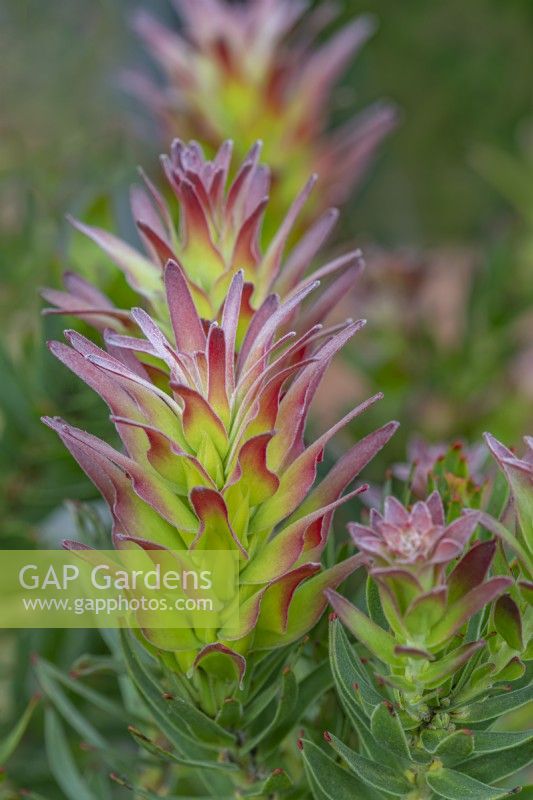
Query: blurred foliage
(461, 73)
(59, 148)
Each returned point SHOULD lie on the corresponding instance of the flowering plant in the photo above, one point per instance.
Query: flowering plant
(209, 381)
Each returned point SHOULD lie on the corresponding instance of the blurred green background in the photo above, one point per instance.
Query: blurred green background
(445, 217)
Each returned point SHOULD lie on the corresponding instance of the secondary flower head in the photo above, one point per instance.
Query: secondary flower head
(458, 471)
(214, 457)
(216, 233)
(430, 583)
(252, 70)
(417, 538)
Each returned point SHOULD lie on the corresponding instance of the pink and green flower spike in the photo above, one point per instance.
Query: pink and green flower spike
(253, 71)
(214, 456)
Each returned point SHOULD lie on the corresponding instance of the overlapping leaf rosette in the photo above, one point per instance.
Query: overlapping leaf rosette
(440, 656)
(211, 405)
(252, 70)
(426, 597)
(213, 231)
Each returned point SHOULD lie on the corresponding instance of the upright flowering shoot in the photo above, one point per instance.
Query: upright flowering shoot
(209, 386)
(214, 458)
(251, 70)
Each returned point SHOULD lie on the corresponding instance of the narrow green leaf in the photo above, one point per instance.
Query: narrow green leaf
(374, 638)
(314, 685)
(262, 683)
(388, 731)
(259, 703)
(140, 793)
(309, 690)
(373, 603)
(461, 611)
(465, 676)
(350, 686)
(377, 775)
(508, 622)
(165, 755)
(265, 672)
(431, 738)
(9, 743)
(329, 781)
(99, 784)
(278, 782)
(435, 673)
(493, 741)
(316, 788)
(62, 764)
(88, 665)
(176, 733)
(285, 710)
(506, 536)
(454, 786)
(14, 395)
(68, 710)
(352, 671)
(497, 766)
(343, 660)
(512, 671)
(230, 714)
(496, 706)
(205, 728)
(96, 699)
